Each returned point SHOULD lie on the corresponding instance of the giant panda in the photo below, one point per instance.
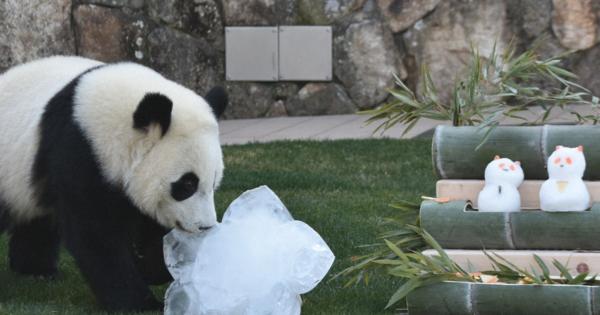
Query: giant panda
(104, 158)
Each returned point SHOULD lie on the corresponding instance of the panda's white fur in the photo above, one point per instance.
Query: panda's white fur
(146, 164)
(24, 93)
(104, 158)
(143, 164)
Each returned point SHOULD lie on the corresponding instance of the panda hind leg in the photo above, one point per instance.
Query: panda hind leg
(34, 247)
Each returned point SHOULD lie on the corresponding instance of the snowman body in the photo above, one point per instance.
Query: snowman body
(565, 190)
(502, 180)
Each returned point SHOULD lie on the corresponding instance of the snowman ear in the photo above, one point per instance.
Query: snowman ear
(518, 163)
(558, 147)
(497, 157)
(580, 148)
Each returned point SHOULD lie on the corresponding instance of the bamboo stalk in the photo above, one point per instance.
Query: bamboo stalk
(464, 298)
(454, 226)
(455, 157)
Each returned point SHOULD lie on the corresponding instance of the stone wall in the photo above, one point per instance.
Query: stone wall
(373, 40)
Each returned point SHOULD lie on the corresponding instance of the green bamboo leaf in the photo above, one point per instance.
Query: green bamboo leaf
(396, 250)
(403, 291)
(543, 267)
(579, 279)
(564, 272)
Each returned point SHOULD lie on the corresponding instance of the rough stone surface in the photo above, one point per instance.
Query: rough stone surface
(444, 39)
(365, 60)
(373, 39)
(587, 69)
(320, 99)
(574, 23)
(249, 12)
(30, 29)
(200, 18)
(248, 100)
(320, 12)
(185, 59)
(134, 4)
(277, 109)
(100, 33)
(532, 17)
(402, 14)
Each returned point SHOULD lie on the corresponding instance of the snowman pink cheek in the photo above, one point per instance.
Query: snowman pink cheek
(569, 161)
(557, 160)
(512, 167)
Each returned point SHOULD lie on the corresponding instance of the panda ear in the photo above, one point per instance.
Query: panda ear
(154, 108)
(217, 99)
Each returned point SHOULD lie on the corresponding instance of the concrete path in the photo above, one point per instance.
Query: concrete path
(241, 131)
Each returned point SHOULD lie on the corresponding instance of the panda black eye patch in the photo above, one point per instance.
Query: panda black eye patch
(184, 187)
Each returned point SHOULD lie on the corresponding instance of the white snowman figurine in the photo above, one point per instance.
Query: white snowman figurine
(502, 180)
(565, 190)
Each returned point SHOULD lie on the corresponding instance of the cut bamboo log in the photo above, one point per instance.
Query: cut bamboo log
(455, 157)
(476, 261)
(466, 298)
(456, 226)
(468, 189)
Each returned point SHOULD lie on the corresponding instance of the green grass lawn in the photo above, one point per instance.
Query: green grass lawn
(340, 188)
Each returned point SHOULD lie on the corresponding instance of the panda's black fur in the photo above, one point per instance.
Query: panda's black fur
(117, 248)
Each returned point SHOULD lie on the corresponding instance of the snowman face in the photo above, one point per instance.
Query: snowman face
(503, 170)
(565, 163)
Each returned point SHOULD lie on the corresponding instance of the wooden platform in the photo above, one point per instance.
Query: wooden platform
(475, 260)
(464, 189)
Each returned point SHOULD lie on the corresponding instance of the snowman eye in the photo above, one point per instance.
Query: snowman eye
(557, 160)
(569, 161)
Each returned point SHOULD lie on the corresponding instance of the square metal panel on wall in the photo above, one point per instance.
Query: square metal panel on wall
(305, 53)
(251, 53)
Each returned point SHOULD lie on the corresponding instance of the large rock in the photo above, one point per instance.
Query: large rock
(100, 33)
(111, 34)
(587, 67)
(443, 40)
(200, 18)
(365, 60)
(320, 99)
(252, 99)
(190, 61)
(574, 23)
(248, 99)
(532, 17)
(402, 14)
(30, 29)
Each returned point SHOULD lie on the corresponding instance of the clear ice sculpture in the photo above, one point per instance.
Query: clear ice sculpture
(258, 260)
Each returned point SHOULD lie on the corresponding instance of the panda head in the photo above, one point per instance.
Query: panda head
(155, 139)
